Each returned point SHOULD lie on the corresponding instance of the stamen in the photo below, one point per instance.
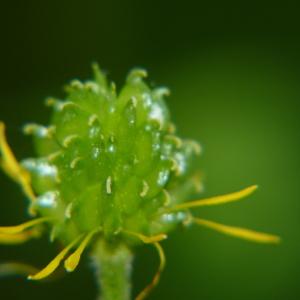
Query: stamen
(146, 291)
(11, 166)
(19, 238)
(215, 200)
(147, 239)
(242, 233)
(52, 266)
(73, 260)
(20, 228)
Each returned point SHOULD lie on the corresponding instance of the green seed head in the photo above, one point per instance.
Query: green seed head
(111, 161)
(110, 168)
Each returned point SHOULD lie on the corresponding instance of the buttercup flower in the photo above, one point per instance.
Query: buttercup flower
(110, 174)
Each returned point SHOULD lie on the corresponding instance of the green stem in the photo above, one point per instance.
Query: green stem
(113, 266)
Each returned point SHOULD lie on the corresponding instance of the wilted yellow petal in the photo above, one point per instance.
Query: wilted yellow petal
(242, 233)
(19, 238)
(16, 268)
(11, 166)
(151, 240)
(215, 200)
(73, 260)
(145, 292)
(147, 239)
(20, 228)
(52, 266)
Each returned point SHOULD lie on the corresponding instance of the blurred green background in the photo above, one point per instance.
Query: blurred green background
(233, 69)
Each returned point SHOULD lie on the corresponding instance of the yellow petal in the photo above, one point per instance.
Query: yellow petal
(216, 200)
(52, 266)
(20, 228)
(145, 292)
(242, 233)
(73, 260)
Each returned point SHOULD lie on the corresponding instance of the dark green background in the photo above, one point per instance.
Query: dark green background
(233, 69)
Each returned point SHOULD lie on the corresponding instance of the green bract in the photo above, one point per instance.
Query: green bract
(110, 160)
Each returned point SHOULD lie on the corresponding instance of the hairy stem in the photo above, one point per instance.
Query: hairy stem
(113, 265)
